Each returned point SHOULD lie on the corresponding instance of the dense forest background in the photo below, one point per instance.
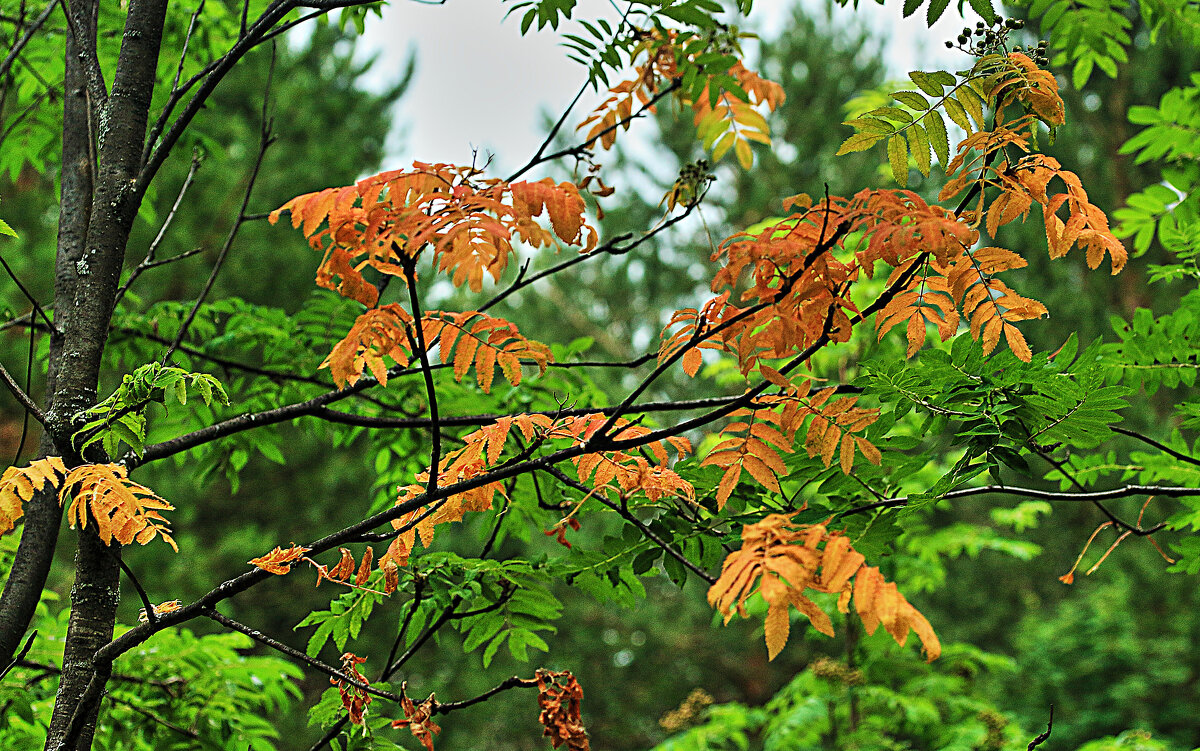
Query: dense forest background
(1113, 651)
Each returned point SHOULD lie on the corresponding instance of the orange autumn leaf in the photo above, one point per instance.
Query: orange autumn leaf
(279, 561)
(785, 559)
(474, 339)
(469, 222)
(18, 484)
(376, 334)
(121, 509)
(161, 609)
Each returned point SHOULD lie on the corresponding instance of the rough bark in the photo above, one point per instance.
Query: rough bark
(43, 516)
(121, 131)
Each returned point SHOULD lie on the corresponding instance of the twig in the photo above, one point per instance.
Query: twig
(1042, 738)
(149, 262)
(30, 406)
(628, 516)
(549, 139)
(505, 685)
(20, 655)
(24, 40)
(161, 721)
(418, 333)
(1161, 447)
(296, 654)
(265, 141)
(28, 296)
(585, 145)
(1048, 495)
(151, 616)
(187, 40)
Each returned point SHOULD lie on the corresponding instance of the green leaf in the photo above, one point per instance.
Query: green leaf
(972, 104)
(918, 143)
(6, 230)
(1082, 72)
(925, 82)
(898, 157)
(858, 142)
(958, 114)
(935, 10)
(911, 99)
(985, 10)
(935, 129)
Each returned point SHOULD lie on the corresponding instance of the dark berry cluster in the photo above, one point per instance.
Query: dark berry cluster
(988, 38)
(695, 174)
(1037, 54)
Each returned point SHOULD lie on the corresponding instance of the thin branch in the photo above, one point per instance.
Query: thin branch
(1125, 491)
(612, 247)
(418, 333)
(149, 261)
(549, 139)
(168, 685)
(187, 40)
(158, 720)
(28, 295)
(585, 145)
(1062, 468)
(151, 616)
(368, 421)
(265, 141)
(31, 408)
(505, 685)
(629, 516)
(19, 45)
(1161, 447)
(296, 654)
(1042, 738)
(20, 655)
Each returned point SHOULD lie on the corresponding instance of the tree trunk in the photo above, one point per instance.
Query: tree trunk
(120, 135)
(43, 516)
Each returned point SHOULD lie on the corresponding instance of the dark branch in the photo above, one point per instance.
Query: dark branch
(296, 654)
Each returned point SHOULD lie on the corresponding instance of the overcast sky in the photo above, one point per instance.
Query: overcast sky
(480, 84)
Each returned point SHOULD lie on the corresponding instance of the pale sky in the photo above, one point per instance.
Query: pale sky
(480, 84)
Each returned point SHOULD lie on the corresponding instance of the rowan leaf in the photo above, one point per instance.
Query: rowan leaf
(898, 158)
(779, 560)
(279, 561)
(18, 484)
(121, 509)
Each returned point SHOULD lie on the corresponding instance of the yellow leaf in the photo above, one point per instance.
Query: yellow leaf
(745, 156)
(858, 142)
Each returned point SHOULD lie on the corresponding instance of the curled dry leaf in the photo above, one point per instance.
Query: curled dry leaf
(161, 609)
(354, 698)
(559, 697)
(417, 720)
(279, 561)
